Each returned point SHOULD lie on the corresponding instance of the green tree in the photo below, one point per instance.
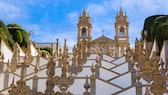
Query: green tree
(156, 27)
(7, 36)
(26, 38)
(2, 35)
(48, 49)
(19, 34)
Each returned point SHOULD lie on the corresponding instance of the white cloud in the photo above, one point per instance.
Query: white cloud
(96, 9)
(9, 11)
(73, 17)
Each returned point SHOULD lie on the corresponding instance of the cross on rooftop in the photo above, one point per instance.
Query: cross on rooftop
(102, 32)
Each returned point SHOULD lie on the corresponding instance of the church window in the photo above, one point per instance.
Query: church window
(122, 33)
(83, 32)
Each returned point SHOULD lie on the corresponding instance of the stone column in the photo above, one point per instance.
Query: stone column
(35, 85)
(157, 86)
(97, 70)
(132, 70)
(6, 79)
(163, 74)
(97, 73)
(1, 67)
(138, 88)
(93, 85)
(133, 76)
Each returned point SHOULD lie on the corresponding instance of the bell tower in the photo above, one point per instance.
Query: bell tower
(121, 37)
(84, 27)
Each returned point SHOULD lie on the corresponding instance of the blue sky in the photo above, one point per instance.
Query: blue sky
(52, 19)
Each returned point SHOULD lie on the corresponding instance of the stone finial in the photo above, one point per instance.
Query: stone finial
(36, 69)
(28, 56)
(65, 51)
(147, 91)
(93, 69)
(121, 11)
(86, 86)
(84, 12)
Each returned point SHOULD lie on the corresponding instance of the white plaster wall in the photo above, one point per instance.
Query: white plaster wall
(1, 80)
(107, 64)
(131, 91)
(106, 75)
(119, 60)
(85, 72)
(121, 69)
(33, 50)
(89, 63)
(21, 52)
(123, 81)
(6, 51)
(92, 56)
(103, 88)
(108, 58)
(41, 85)
(77, 87)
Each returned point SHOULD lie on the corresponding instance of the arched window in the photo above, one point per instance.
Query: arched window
(83, 32)
(122, 32)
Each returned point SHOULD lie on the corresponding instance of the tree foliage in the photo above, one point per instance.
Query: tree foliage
(45, 53)
(26, 38)
(5, 35)
(47, 49)
(2, 35)
(157, 28)
(13, 33)
(19, 35)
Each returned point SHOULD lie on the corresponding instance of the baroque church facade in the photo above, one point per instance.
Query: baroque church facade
(114, 48)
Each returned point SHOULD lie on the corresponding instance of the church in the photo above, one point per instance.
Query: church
(100, 66)
(113, 47)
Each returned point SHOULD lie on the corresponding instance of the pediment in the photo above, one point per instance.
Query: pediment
(103, 39)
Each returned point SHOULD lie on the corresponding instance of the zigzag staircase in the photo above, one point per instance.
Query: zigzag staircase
(115, 72)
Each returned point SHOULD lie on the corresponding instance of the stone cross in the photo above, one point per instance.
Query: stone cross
(102, 32)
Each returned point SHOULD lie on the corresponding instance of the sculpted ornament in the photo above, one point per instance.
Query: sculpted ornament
(15, 58)
(80, 54)
(37, 60)
(64, 81)
(147, 71)
(20, 89)
(28, 57)
(128, 54)
(87, 86)
(50, 68)
(75, 68)
(50, 73)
